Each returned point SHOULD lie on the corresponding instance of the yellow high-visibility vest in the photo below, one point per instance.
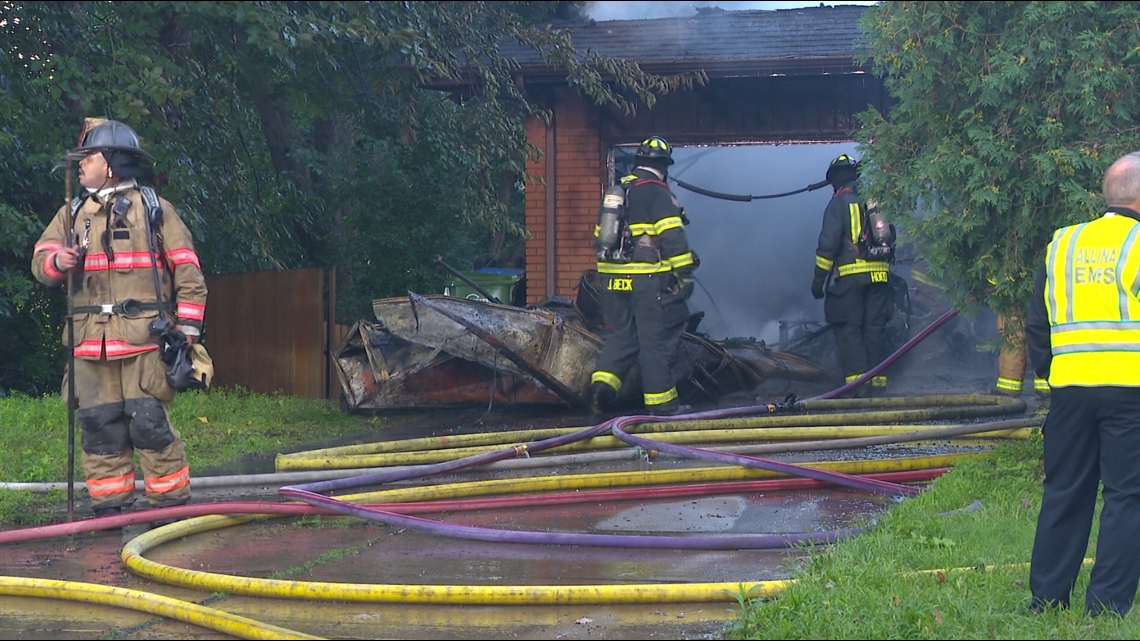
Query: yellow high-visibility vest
(1091, 296)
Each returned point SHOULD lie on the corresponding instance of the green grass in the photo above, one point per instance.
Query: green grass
(218, 427)
(867, 587)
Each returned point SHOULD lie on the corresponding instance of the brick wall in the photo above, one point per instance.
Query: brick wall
(580, 170)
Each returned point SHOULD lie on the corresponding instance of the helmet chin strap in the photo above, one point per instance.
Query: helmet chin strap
(108, 178)
(104, 185)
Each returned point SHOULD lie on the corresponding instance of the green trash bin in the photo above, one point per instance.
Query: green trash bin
(500, 283)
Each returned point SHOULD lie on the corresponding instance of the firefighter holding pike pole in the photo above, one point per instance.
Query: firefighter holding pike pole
(136, 307)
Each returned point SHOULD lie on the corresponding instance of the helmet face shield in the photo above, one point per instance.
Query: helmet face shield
(78, 154)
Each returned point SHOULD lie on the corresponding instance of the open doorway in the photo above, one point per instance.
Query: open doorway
(757, 257)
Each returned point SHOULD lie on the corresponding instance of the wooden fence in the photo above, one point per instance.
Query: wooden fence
(270, 331)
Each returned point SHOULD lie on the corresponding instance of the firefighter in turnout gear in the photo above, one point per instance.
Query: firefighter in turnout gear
(858, 304)
(1012, 355)
(646, 269)
(1082, 337)
(1012, 360)
(121, 387)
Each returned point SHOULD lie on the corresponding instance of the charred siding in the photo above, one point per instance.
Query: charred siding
(772, 109)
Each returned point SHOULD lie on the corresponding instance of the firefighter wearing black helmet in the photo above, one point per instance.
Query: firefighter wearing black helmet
(858, 304)
(121, 388)
(644, 286)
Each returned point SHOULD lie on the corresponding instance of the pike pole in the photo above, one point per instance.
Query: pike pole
(69, 240)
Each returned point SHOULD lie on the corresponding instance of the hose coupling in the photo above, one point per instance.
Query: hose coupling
(521, 451)
(789, 404)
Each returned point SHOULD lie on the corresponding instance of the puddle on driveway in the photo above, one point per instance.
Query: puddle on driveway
(350, 551)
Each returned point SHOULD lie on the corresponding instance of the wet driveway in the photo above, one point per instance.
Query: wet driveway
(350, 551)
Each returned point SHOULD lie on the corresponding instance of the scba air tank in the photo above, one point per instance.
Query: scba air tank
(880, 228)
(611, 219)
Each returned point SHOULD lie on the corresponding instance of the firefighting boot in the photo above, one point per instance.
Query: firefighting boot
(107, 510)
(170, 503)
(878, 386)
(670, 409)
(601, 398)
(135, 529)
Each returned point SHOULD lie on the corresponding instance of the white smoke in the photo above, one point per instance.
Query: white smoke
(757, 258)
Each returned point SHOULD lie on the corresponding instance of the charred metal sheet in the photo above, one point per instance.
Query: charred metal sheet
(441, 351)
(531, 370)
(563, 351)
(380, 371)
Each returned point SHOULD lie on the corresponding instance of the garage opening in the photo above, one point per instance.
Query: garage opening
(757, 257)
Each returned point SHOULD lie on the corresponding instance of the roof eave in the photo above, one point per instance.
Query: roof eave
(790, 66)
(771, 67)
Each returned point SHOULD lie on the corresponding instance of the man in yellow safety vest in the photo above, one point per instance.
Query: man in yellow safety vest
(1083, 335)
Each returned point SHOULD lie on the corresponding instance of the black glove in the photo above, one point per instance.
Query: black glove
(686, 287)
(679, 285)
(817, 289)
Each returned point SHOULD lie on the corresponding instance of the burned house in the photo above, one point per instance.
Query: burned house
(785, 80)
(774, 78)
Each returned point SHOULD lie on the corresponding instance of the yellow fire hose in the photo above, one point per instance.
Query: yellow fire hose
(447, 448)
(825, 420)
(167, 607)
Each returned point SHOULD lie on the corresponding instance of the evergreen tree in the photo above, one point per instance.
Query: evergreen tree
(1005, 116)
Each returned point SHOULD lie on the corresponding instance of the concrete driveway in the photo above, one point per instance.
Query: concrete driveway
(351, 551)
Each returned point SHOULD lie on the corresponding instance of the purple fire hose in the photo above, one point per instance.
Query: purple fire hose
(799, 470)
(746, 542)
(724, 542)
(310, 493)
(888, 361)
